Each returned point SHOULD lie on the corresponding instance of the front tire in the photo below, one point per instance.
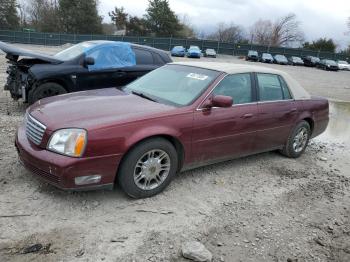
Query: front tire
(148, 168)
(298, 140)
(45, 90)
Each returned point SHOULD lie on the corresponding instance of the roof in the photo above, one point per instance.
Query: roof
(103, 42)
(297, 90)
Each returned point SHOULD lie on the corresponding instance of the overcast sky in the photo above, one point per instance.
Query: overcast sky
(319, 18)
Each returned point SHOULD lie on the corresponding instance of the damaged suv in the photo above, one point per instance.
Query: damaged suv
(84, 66)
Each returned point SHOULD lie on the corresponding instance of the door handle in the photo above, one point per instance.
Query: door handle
(293, 110)
(247, 116)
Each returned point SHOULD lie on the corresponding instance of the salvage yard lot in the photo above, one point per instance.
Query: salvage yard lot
(260, 208)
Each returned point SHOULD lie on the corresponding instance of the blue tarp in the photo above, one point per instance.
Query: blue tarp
(111, 55)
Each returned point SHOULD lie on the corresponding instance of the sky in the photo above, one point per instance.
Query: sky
(319, 18)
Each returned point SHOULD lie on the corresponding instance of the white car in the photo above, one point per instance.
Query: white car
(343, 65)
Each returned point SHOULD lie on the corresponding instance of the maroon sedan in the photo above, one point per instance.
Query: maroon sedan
(180, 116)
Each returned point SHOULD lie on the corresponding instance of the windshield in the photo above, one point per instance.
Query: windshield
(297, 59)
(342, 62)
(264, 55)
(178, 48)
(281, 57)
(177, 85)
(194, 48)
(73, 51)
(315, 59)
(211, 50)
(252, 53)
(331, 62)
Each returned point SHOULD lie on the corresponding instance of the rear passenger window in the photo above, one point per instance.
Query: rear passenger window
(237, 86)
(270, 88)
(285, 89)
(157, 59)
(143, 57)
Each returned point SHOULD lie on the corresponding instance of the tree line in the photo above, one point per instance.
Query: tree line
(82, 17)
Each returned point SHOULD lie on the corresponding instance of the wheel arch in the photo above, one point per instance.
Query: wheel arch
(179, 147)
(311, 123)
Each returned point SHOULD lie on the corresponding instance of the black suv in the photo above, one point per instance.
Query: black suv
(84, 66)
(311, 61)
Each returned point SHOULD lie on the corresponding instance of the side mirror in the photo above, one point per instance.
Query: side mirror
(89, 61)
(218, 101)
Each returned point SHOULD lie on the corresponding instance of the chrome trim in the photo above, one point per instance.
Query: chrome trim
(275, 101)
(34, 129)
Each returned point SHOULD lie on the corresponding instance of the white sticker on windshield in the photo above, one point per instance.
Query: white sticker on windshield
(197, 76)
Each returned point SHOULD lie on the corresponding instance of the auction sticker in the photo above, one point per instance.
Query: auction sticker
(197, 76)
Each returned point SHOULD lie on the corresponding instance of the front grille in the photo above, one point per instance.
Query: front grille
(45, 175)
(34, 130)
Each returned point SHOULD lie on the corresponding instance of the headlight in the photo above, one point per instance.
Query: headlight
(70, 142)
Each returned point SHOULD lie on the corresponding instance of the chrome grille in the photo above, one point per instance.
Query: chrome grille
(34, 130)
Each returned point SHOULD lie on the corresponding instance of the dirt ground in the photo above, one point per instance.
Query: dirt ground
(260, 208)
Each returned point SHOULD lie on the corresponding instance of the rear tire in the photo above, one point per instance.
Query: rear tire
(45, 90)
(148, 168)
(298, 140)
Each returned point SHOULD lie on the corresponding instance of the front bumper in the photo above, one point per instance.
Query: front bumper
(194, 55)
(60, 171)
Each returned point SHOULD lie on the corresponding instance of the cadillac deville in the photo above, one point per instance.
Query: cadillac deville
(177, 117)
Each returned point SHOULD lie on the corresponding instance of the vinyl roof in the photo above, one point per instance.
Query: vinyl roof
(231, 68)
(296, 89)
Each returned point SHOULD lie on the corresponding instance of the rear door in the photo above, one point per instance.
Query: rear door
(277, 112)
(221, 133)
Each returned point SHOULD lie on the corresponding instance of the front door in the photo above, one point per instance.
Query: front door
(222, 133)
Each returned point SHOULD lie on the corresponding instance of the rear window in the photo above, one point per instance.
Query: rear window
(143, 57)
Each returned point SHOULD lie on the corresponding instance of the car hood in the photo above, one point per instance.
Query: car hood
(14, 52)
(95, 109)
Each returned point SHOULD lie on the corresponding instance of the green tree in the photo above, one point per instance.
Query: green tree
(322, 44)
(161, 20)
(80, 17)
(9, 18)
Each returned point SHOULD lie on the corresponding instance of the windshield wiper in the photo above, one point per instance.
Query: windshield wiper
(143, 96)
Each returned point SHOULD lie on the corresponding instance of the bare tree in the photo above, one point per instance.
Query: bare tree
(284, 31)
(43, 15)
(187, 30)
(227, 33)
(261, 32)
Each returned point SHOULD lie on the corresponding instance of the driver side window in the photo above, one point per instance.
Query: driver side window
(237, 86)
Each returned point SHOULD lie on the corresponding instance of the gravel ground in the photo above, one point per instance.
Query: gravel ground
(260, 208)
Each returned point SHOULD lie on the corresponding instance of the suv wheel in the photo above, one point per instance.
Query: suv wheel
(45, 90)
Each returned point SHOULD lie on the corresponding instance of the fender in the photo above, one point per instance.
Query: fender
(151, 131)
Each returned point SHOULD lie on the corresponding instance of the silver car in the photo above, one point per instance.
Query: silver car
(343, 65)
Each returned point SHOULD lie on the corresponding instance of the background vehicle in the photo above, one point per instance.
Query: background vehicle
(210, 53)
(327, 64)
(178, 51)
(194, 52)
(343, 65)
(266, 58)
(177, 117)
(252, 56)
(280, 59)
(311, 61)
(88, 65)
(295, 60)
